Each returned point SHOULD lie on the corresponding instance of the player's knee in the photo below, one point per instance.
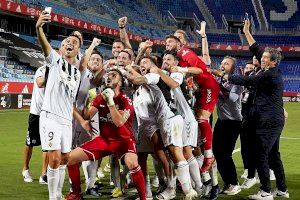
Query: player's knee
(64, 159)
(131, 161)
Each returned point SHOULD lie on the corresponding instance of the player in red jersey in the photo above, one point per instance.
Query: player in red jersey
(206, 97)
(115, 112)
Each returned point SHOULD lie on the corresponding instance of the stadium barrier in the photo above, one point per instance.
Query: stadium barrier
(15, 101)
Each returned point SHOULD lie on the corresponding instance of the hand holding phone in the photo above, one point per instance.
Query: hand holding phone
(48, 10)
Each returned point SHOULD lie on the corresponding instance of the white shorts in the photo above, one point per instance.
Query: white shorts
(190, 133)
(55, 132)
(171, 131)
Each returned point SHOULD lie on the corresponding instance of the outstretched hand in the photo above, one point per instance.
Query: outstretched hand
(202, 29)
(122, 21)
(43, 18)
(246, 28)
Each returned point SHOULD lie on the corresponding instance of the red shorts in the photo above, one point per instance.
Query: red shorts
(206, 98)
(99, 148)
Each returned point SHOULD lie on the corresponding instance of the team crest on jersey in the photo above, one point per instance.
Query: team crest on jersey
(184, 52)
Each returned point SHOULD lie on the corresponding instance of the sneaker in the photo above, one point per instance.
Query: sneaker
(207, 164)
(249, 183)
(100, 173)
(261, 195)
(155, 182)
(200, 191)
(43, 179)
(107, 168)
(278, 193)
(161, 188)
(117, 193)
(169, 193)
(232, 190)
(93, 191)
(191, 195)
(214, 192)
(224, 188)
(272, 175)
(245, 174)
(207, 188)
(73, 196)
(27, 177)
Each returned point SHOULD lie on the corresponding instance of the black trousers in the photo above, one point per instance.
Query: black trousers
(225, 135)
(247, 138)
(268, 156)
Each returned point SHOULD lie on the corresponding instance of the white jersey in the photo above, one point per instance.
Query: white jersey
(62, 86)
(38, 93)
(190, 129)
(85, 86)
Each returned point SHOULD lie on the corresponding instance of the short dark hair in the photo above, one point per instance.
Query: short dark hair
(80, 42)
(119, 72)
(173, 37)
(171, 52)
(158, 59)
(150, 58)
(95, 51)
(129, 55)
(117, 40)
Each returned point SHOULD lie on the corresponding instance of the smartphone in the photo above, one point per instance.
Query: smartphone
(246, 16)
(48, 10)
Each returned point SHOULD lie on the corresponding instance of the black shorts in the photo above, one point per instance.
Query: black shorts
(33, 133)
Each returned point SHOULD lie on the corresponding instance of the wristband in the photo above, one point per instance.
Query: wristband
(121, 27)
(183, 69)
(203, 37)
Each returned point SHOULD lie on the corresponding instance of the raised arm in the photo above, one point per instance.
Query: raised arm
(167, 79)
(44, 18)
(144, 46)
(86, 57)
(248, 35)
(205, 51)
(123, 34)
(134, 77)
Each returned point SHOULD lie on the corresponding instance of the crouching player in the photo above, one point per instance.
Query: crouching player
(115, 112)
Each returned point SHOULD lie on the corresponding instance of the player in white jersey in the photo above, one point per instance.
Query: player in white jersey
(171, 127)
(57, 109)
(92, 71)
(33, 135)
(190, 131)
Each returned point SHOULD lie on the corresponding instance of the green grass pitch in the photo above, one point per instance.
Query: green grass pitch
(13, 127)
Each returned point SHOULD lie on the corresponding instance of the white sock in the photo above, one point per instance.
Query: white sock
(200, 160)
(148, 187)
(183, 175)
(213, 172)
(92, 172)
(53, 180)
(62, 173)
(195, 173)
(84, 166)
(208, 153)
(205, 176)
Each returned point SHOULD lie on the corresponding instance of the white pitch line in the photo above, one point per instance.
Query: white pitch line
(290, 138)
(236, 150)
